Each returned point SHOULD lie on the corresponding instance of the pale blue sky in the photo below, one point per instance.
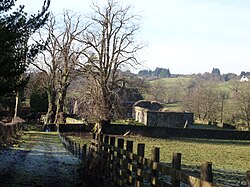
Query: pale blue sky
(186, 36)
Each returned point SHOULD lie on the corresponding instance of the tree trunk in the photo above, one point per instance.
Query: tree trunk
(107, 108)
(50, 118)
(222, 111)
(17, 103)
(75, 109)
(60, 116)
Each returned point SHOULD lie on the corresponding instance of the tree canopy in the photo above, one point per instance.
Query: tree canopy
(16, 27)
(157, 73)
(111, 46)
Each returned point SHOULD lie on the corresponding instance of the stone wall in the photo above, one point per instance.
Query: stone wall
(166, 132)
(151, 114)
(8, 131)
(169, 119)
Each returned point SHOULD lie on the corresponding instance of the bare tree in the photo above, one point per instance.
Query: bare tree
(157, 90)
(241, 95)
(111, 47)
(223, 95)
(203, 99)
(59, 60)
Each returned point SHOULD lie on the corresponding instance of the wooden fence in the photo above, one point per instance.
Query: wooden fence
(76, 149)
(127, 168)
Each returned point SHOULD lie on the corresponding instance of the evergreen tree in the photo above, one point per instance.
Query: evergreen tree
(216, 71)
(243, 73)
(158, 72)
(16, 27)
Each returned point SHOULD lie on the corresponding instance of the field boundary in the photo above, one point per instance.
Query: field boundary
(158, 132)
(127, 168)
(133, 169)
(165, 132)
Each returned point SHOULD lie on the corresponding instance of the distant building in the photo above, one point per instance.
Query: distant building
(244, 79)
(151, 113)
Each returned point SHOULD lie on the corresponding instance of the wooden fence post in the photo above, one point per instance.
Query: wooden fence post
(70, 146)
(100, 147)
(155, 157)
(79, 151)
(248, 178)
(119, 165)
(206, 172)
(101, 137)
(106, 155)
(66, 142)
(112, 157)
(75, 152)
(139, 173)
(105, 149)
(176, 164)
(93, 136)
(129, 149)
(84, 152)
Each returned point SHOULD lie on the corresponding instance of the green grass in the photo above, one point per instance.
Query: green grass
(80, 138)
(224, 86)
(174, 81)
(224, 154)
(230, 155)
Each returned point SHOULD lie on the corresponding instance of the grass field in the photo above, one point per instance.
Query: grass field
(230, 158)
(224, 154)
(174, 81)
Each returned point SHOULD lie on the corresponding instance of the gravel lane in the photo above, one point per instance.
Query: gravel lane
(39, 160)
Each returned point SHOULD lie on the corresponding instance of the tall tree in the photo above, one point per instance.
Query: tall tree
(36, 93)
(111, 46)
(241, 95)
(203, 99)
(223, 95)
(157, 90)
(16, 28)
(59, 60)
(216, 71)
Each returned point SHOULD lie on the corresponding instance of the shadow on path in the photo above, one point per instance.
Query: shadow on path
(39, 160)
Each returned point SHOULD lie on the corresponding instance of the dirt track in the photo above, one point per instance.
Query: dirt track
(39, 160)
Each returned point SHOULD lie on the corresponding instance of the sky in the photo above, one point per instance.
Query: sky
(186, 36)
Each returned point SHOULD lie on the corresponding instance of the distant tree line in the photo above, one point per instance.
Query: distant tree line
(157, 73)
(216, 75)
(244, 73)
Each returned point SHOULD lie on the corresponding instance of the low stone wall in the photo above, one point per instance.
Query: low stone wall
(165, 132)
(161, 132)
(8, 131)
(74, 127)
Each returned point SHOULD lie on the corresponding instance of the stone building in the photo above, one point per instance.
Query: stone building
(151, 113)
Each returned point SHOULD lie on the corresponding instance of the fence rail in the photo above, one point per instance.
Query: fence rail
(127, 168)
(76, 149)
(130, 169)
